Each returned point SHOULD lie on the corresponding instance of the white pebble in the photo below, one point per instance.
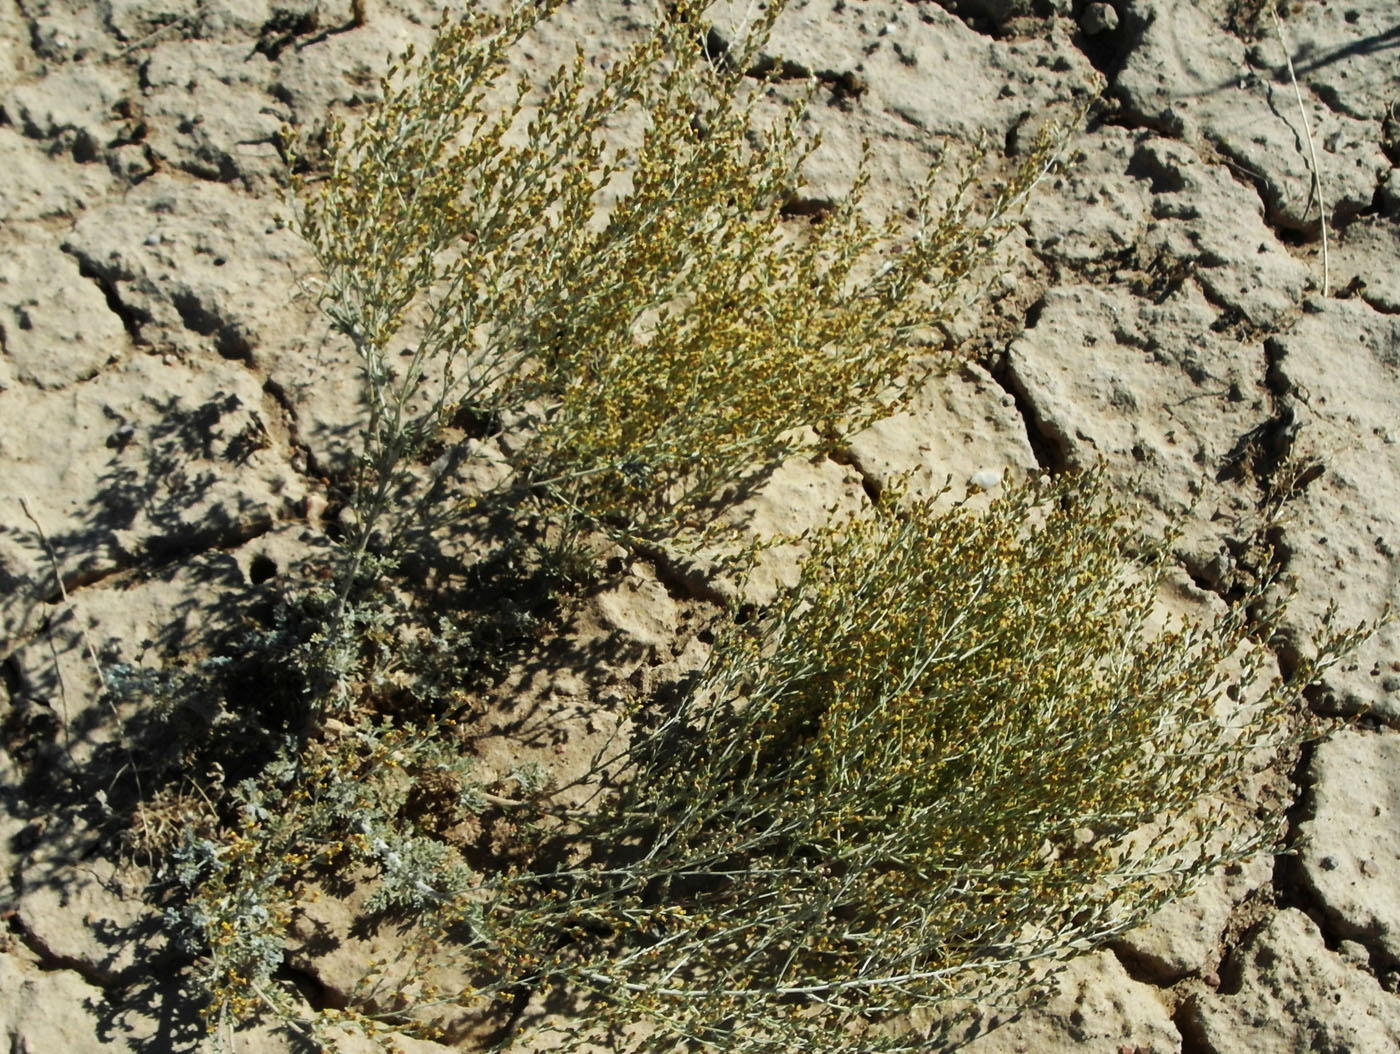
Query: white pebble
(985, 479)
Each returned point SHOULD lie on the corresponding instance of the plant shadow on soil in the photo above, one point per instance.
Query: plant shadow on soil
(214, 693)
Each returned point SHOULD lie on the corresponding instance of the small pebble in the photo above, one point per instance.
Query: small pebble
(1098, 18)
(986, 479)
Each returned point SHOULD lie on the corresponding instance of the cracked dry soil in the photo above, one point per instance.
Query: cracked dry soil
(176, 416)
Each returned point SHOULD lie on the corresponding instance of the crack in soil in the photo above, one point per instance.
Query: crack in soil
(847, 458)
(32, 23)
(692, 582)
(1193, 1041)
(1378, 308)
(302, 459)
(1290, 886)
(132, 318)
(49, 961)
(1048, 447)
(160, 553)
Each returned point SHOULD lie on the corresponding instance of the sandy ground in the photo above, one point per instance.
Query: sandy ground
(171, 406)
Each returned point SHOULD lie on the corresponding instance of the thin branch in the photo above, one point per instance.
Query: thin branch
(1312, 151)
(87, 644)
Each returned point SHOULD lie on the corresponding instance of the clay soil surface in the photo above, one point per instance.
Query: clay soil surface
(176, 416)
